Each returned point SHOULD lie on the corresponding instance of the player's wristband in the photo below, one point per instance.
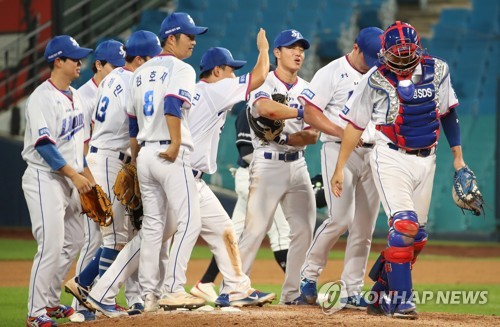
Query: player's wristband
(281, 139)
(300, 113)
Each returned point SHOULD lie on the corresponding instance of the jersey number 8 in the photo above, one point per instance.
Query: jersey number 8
(148, 103)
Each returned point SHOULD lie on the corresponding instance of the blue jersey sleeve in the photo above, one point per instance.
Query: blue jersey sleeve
(451, 128)
(172, 106)
(51, 154)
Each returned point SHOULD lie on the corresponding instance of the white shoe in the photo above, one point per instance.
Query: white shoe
(180, 300)
(205, 291)
(151, 303)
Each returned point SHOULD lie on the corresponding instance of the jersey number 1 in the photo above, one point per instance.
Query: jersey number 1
(148, 104)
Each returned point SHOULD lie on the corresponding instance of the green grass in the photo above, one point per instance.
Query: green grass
(13, 299)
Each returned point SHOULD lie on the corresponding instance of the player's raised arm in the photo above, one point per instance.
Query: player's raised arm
(259, 72)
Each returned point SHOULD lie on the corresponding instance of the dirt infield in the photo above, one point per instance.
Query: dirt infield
(427, 271)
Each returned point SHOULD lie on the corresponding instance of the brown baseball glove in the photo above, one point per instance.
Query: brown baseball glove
(127, 189)
(96, 205)
(268, 129)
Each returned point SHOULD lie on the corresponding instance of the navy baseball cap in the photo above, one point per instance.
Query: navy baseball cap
(112, 52)
(370, 42)
(143, 43)
(64, 46)
(218, 56)
(289, 37)
(180, 22)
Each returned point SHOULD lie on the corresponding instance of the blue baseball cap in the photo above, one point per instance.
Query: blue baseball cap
(289, 37)
(143, 43)
(64, 46)
(370, 42)
(218, 56)
(180, 22)
(111, 51)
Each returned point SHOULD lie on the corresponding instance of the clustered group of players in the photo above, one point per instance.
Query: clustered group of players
(144, 107)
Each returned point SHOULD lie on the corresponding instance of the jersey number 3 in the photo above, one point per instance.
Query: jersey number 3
(100, 114)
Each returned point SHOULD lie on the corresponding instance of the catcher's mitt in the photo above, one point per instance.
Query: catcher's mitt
(465, 191)
(96, 205)
(136, 218)
(267, 129)
(127, 187)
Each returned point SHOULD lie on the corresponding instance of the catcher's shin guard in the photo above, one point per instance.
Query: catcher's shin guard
(399, 254)
(419, 243)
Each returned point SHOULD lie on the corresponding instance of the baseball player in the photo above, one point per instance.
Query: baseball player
(56, 172)
(357, 210)
(407, 98)
(278, 172)
(109, 150)
(279, 234)
(161, 93)
(108, 55)
(216, 93)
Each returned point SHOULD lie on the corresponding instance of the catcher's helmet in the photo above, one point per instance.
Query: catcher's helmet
(401, 50)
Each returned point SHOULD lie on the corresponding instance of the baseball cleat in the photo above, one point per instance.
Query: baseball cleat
(354, 302)
(87, 315)
(250, 300)
(222, 301)
(109, 311)
(205, 291)
(297, 301)
(264, 297)
(171, 301)
(135, 309)
(151, 303)
(61, 311)
(79, 292)
(308, 291)
(403, 310)
(40, 321)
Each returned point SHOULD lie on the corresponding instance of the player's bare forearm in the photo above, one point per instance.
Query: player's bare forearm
(134, 150)
(349, 142)
(274, 110)
(174, 129)
(305, 137)
(81, 182)
(318, 120)
(458, 158)
(261, 69)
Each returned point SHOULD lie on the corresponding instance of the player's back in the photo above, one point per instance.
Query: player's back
(161, 77)
(110, 115)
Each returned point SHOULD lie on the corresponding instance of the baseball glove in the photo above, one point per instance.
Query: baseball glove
(267, 129)
(136, 218)
(465, 191)
(127, 189)
(96, 205)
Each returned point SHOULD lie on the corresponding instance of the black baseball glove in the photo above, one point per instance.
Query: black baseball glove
(465, 191)
(267, 129)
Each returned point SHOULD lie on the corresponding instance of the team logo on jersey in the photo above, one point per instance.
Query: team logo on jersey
(71, 126)
(43, 131)
(308, 93)
(185, 94)
(243, 79)
(262, 94)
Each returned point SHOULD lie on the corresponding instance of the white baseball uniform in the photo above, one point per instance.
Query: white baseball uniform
(404, 181)
(92, 231)
(168, 189)
(279, 234)
(357, 209)
(207, 116)
(278, 174)
(57, 117)
(108, 151)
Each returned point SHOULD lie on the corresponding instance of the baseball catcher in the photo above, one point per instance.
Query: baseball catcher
(465, 191)
(127, 191)
(96, 205)
(266, 129)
